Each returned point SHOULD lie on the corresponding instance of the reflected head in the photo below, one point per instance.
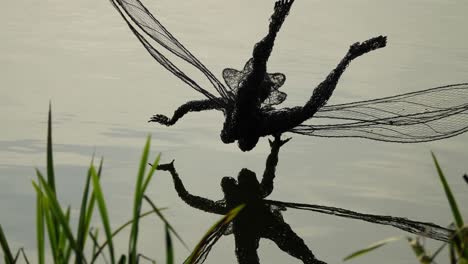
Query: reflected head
(228, 184)
(247, 177)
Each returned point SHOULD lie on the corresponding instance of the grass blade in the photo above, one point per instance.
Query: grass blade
(103, 211)
(151, 173)
(161, 216)
(453, 203)
(202, 248)
(40, 229)
(6, 248)
(50, 160)
(92, 201)
(137, 201)
(82, 224)
(50, 165)
(56, 210)
(419, 251)
(62, 244)
(117, 231)
(169, 246)
(95, 245)
(51, 228)
(371, 248)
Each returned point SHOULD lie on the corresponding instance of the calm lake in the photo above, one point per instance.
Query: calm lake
(81, 56)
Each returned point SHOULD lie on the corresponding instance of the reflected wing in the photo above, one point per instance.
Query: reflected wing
(144, 20)
(425, 229)
(421, 116)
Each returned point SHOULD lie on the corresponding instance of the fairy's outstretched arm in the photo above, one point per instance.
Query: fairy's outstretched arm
(269, 174)
(250, 90)
(285, 119)
(198, 202)
(190, 106)
(262, 49)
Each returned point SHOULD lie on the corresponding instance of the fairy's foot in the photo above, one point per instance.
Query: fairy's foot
(358, 48)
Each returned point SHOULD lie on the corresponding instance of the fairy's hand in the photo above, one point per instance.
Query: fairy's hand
(278, 142)
(166, 167)
(161, 119)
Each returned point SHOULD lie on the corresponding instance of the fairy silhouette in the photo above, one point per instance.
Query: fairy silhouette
(257, 220)
(249, 101)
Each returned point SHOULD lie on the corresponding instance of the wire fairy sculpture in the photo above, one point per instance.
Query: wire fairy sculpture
(249, 100)
(262, 218)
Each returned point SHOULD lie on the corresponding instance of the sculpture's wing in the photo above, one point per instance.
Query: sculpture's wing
(137, 16)
(425, 229)
(421, 116)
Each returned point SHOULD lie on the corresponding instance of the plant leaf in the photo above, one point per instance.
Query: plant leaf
(6, 248)
(169, 246)
(103, 211)
(453, 203)
(201, 250)
(372, 247)
(161, 216)
(132, 245)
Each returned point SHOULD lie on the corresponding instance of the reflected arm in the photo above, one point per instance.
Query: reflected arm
(198, 202)
(270, 169)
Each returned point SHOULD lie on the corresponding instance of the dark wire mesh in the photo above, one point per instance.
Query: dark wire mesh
(421, 116)
(429, 230)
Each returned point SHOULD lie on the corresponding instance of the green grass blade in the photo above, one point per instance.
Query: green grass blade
(62, 244)
(40, 229)
(50, 164)
(92, 201)
(117, 231)
(169, 246)
(151, 173)
(132, 246)
(95, 246)
(453, 204)
(82, 224)
(161, 216)
(371, 248)
(204, 243)
(6, 248)
(59, 215)
(419, 250)
(50, 160)
(51, 228)
(103, 211)
(25, 258)
(123, 259)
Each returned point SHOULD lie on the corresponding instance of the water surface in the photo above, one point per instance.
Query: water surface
(103, 85)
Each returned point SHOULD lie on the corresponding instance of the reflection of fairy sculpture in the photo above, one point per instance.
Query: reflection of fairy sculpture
(248, 101)
(257, 220)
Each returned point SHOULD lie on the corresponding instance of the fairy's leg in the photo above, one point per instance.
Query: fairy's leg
(247, 95)
(288, 241)
(190, 106)
(286, 119)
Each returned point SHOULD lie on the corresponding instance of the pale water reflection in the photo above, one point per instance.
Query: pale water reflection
(104, 87)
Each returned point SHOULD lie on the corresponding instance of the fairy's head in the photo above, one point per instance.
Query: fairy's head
(247, 143)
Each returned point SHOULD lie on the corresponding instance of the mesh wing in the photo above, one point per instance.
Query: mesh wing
(421, 116)
(144, 20)
(425, 229)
